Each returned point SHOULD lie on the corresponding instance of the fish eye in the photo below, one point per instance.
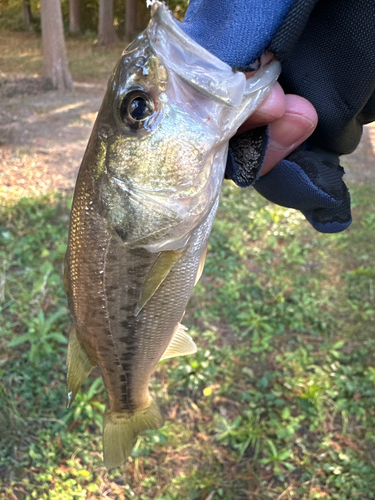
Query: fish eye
(135, 108)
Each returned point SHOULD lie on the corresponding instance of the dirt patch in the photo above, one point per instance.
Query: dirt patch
(18, 85)
(43, 136)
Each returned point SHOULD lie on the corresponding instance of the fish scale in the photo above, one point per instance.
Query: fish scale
(144, 204)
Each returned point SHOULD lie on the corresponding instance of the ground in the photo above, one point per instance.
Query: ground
(43, 135)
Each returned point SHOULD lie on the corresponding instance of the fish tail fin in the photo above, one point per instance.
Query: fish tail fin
(121, 429)
(79, 366)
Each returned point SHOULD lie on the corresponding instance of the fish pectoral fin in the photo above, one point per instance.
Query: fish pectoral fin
(79, 367)
(157, 274)
(121, 429)
(181, 344)
(201, 265)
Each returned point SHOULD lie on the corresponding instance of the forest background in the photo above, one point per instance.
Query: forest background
(277, 404)
(82, 16)
(108, 20)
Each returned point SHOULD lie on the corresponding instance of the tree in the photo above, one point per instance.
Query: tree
(130, 18)
(107, 33)
(74, 26)
(56, 66)
(27, 16)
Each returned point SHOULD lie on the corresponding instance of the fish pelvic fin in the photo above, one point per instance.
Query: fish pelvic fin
(121, 429)
(79, 367)
(181, 344)
(157, 274)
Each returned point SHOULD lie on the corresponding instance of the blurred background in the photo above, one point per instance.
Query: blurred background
(279, 401)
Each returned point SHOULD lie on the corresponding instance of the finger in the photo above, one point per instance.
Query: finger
(271, 109)
(288, 132)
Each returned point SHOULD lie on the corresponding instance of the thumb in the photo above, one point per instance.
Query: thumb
(289, 131)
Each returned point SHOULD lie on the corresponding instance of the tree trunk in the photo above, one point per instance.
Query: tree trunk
(27, 16)
(56, 66)
(107, 33)
(130, 19)
(74, 26)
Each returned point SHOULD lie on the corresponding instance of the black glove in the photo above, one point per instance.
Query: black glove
(310, 181)
(331, 65)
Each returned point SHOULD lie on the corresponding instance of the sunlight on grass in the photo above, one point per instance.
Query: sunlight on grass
(16, 58)
(277, 402)
(21, 53)
(90, 63)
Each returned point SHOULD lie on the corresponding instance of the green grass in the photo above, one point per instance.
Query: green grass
(278, 403)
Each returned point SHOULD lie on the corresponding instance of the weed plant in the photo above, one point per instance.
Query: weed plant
(278, 402)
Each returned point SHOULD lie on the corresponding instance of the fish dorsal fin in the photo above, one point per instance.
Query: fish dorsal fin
(201, 266)
(180, 345)
(157, 274)
(79, 367)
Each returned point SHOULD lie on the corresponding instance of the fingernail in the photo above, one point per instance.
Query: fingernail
(291, 129)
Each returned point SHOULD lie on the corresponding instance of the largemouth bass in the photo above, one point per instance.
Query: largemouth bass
(144, 204)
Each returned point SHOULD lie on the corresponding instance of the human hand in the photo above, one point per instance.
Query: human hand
(309, 180)
(280, 124)
(314, 42)
(291, 119)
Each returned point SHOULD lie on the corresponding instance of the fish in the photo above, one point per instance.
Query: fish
(145, 200)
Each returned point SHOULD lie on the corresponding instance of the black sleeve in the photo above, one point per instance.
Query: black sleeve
(333, 66)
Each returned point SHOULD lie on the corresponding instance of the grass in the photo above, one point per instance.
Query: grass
(21, 53)
(278, 403)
